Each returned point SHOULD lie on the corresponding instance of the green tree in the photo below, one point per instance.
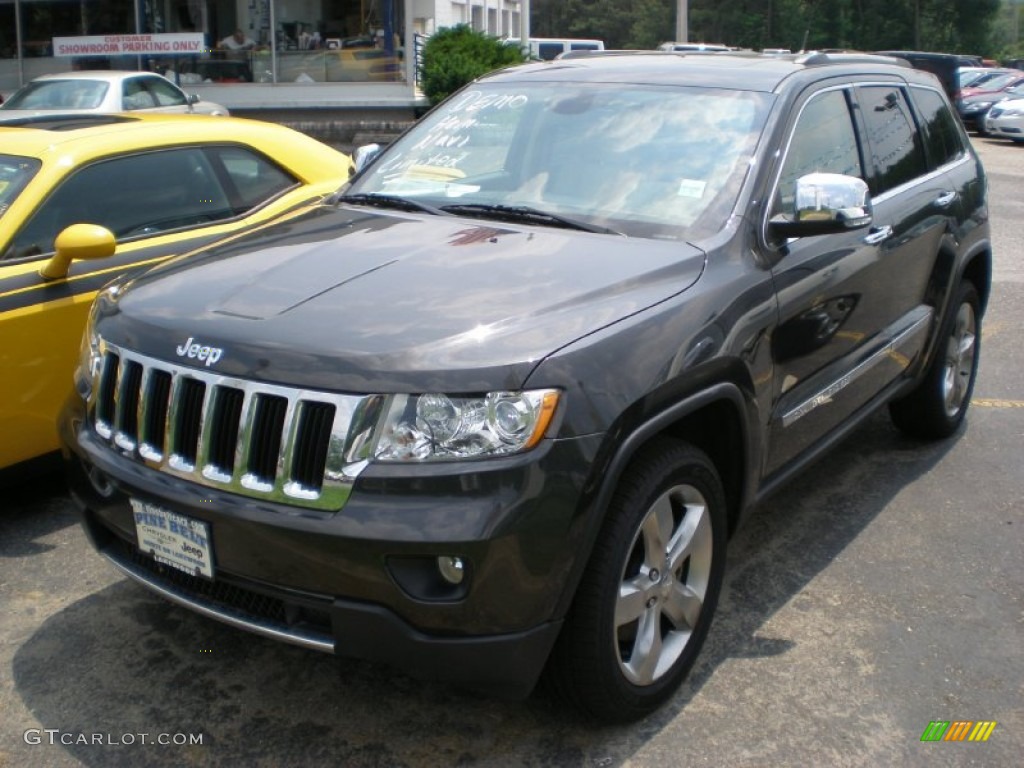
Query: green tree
(955, 26)
(654, 22)
(458, 55)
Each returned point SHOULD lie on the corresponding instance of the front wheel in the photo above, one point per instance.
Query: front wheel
(939, 403)
(645, 603)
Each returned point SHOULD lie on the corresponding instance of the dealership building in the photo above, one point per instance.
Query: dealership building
(250, 55)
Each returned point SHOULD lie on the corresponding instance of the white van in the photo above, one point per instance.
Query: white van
(547, 48)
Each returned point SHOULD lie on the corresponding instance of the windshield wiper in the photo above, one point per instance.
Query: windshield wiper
(388, 201)
(524, 213)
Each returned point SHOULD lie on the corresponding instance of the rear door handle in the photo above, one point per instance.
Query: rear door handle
(878, 234)
(945, 199)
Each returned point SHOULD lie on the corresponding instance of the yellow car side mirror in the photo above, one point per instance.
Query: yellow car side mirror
(79, 241)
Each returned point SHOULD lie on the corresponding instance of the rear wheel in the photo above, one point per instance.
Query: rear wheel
(937, 407)
(645, 603)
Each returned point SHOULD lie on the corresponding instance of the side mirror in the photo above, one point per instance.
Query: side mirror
(193, 98)
(79, 241)
(825, 204)
(365, 155)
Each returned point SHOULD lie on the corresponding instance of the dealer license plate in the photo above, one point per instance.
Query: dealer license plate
(173, 539)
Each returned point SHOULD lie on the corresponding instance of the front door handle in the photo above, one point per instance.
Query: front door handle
(878, 234)
(945, 199)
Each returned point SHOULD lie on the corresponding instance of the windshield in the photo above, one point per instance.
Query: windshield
(971, 76)
(996, 83)
(15, 173)
(58, 94)
(663, 162)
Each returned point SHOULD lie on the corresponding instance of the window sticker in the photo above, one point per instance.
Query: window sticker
(691, 188)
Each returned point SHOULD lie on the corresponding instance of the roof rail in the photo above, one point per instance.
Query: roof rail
(823, 58)
(585, 53)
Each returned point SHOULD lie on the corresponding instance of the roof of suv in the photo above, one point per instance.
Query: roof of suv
(741, 71)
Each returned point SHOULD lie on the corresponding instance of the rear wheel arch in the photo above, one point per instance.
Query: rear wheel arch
(978, 270)
(949, 272)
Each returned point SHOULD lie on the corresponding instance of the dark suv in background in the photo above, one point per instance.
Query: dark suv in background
(496, 407)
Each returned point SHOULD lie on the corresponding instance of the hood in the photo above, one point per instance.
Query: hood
(351, 300)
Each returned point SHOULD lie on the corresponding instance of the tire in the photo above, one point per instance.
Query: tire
(644, 605)
(936, 408)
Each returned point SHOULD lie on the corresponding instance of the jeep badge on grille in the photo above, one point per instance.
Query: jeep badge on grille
(205, 354)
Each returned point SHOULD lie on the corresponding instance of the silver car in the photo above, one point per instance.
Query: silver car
(1006, 120)
(103, 91)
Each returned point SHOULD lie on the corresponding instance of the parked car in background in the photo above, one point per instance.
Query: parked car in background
(550, 48)
(103, 91)
(972, 109)
(363, 64)
(943, 65)
(997, 81)
(1005, 120)
(495, 408)
(86, 198)
(968, 75)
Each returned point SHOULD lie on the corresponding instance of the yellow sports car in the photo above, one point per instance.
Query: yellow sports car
(147, 187)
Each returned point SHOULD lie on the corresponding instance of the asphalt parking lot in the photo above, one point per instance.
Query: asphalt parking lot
(881, 592)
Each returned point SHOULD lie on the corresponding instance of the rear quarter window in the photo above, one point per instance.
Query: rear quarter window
(894, 144)
(943, 140)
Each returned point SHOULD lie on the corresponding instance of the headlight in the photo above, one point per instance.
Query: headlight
(437, 427)
(89, 355)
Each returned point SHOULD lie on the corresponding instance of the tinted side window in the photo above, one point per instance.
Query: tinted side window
(823, 141)
(895, 146)
(136, 195)
(254, 178)
(943, 140)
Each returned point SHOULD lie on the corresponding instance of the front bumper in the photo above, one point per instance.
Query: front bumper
(1007, 128)
(363, 582)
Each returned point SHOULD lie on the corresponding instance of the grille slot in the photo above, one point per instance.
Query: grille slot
(262, 440)
(126, 420)
(188, 407)
(155, 402)
(223, 429)
(105, 398)
(267, 433)
(312, 442)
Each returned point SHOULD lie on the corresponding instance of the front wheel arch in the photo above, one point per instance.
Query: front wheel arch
(644, 605)
(736, 458)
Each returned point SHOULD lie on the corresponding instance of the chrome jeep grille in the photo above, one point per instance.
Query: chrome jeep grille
(295, 446)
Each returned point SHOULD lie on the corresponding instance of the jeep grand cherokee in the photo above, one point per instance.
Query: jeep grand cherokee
(494, 409)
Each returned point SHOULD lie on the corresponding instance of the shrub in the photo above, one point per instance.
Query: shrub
(458, 55)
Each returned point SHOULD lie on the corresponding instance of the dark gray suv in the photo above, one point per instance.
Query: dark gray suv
(494, 409)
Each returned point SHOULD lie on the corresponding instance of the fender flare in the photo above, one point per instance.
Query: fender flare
(624, 452)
